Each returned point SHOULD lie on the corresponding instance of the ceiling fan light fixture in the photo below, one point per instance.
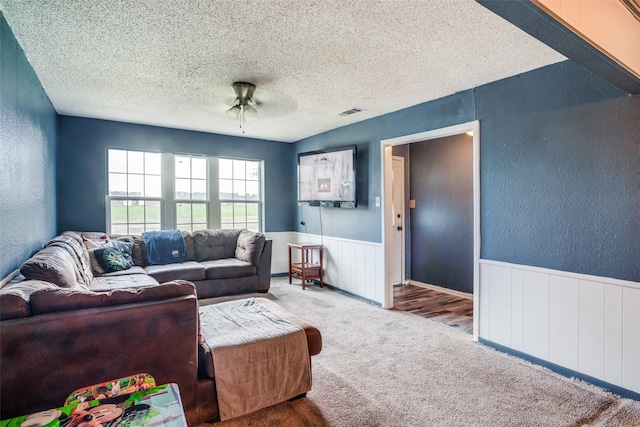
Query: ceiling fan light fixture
(250, 113)
(242, 109)
(234, 112)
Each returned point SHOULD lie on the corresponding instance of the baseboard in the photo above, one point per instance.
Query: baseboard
(441, 289)
(352, 295)
(279, 274)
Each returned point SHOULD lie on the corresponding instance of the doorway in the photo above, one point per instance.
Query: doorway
(441, 220)
(389, 228)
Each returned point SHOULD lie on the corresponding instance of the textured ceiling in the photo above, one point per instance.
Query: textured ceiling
(171, 63)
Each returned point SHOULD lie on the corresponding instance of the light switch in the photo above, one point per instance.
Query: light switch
(412, 204)
(377, 202)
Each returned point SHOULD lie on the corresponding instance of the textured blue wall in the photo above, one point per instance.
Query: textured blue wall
(560, 172)
(83, 145)
(27, 157)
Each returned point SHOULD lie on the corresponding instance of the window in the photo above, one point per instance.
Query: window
(154, 191)
(135, 191)
(191, 195)
(240, 200)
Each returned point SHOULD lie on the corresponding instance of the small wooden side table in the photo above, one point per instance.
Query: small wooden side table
(306, 269)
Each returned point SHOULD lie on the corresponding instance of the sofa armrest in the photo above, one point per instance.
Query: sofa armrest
(44, 358)
(264, 267)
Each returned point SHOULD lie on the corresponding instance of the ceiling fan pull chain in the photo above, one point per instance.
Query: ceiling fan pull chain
(242, 118)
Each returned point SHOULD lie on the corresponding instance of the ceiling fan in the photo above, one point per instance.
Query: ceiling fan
(243, 105)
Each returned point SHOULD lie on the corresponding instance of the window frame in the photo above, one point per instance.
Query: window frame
(259, 202)
(169, 201)
(110, 198)
(206, 202)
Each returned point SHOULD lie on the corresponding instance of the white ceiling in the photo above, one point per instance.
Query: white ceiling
(172, 62)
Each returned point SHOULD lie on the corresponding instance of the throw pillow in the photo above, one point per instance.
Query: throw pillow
(97, 242)
(107, 260)
(126, 249)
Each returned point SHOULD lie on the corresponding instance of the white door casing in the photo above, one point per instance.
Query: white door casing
(396, 267)
(387, 211)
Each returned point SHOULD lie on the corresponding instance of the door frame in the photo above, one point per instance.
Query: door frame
(386, 146)
(403, 221)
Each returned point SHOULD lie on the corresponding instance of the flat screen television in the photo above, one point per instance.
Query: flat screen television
(327, 178)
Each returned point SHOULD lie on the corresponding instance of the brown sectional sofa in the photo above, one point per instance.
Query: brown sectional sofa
(219, 262)
(63, 327)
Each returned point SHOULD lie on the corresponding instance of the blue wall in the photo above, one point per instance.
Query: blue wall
(82, 165)
(27, 157)
(560, 170)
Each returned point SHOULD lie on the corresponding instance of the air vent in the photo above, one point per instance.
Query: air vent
(350, 112)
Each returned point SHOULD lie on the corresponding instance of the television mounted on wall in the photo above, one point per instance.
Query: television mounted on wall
(327, 178)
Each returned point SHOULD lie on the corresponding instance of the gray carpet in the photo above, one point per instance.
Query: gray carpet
(390, 368)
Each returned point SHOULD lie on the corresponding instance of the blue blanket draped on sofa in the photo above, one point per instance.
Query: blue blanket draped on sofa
(165, 247)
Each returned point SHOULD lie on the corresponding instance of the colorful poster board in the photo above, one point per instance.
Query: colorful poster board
(127, 402)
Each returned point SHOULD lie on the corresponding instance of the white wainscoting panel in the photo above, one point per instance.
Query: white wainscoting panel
(591, 329)
(351, 265)
(517, 308)
(535, 314)
(613, 339)
(564, 304)
(500, 302)
(631, 338)
(279, 251)
(585, 323)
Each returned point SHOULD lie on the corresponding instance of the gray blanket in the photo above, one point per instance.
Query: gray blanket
(259, 358)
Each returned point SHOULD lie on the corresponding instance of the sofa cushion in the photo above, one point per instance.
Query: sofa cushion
(52, 264)
(54, 300)
(108, 283)
(188, 242)
(215, 244)
(227, 268)
(188, 270)
(250, 246)
(136, 269)
(15, 298)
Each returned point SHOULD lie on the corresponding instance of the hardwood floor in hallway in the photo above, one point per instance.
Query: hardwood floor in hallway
(453, 310)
